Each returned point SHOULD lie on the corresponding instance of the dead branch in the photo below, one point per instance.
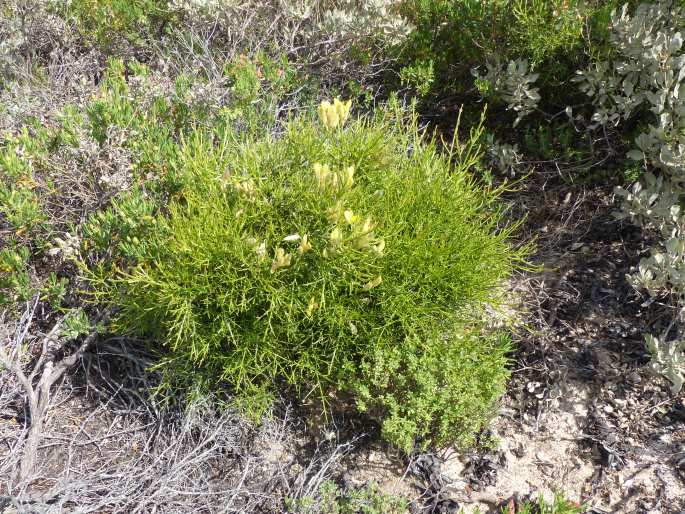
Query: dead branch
(48, 369)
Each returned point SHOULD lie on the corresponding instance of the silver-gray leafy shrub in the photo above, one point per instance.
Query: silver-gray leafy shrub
(503, 156)
(647, 76)
(369, 18)
(513, 82)
(339, 21)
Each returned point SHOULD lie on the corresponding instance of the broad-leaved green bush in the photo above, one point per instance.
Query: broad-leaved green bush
(458, 35)
(111, 23)
(343, 257)
(517, 50)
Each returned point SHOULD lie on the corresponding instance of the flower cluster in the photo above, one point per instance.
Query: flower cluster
(334, 115)
(67, 247)
(350, 230)
(325, 178)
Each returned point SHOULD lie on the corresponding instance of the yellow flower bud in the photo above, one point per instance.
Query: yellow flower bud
(333, 119)
(281, 260)
(336, 237)
(321, 172)
(368, 226)
(305, 246)
(335, 212)
(323, 109)
(348, 176)
(334, 181)
(312, 306)
(334, 115)
(374, 283)
(350, 217)
(363, 241)
(342, 109)
(260, 250)
(247, 187)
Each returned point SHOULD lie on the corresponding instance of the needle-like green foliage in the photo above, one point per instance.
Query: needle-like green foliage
(350, 259)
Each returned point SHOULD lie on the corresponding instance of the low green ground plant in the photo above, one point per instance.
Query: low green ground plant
(558, 505)
(331, 499)
(15, 280)
(340, 261)
(112, 159)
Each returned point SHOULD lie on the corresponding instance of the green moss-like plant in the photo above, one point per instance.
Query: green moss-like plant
(334, 259)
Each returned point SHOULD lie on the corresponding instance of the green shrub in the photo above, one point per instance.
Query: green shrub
(329, 259)
(436, 389)
(15, 280)
(452, 37)
(559, 505)
(109, 23)
(20, 204)
(21, 208)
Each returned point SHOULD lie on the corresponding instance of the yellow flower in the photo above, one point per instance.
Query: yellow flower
(260, 250)
(365, 236)
(336, 237)
(368, 226)
(350, 217)
(335, 212)
(312, 306)
(374, 283)
(321, 172)
(334, 181)
(305, 245)
(247, 187)
(326, 115)
(348, 176)
(342, 109)
(334, 115)
(281, 260)
(363, 241)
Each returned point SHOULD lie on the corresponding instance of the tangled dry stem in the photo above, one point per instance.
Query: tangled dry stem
(81, 433)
